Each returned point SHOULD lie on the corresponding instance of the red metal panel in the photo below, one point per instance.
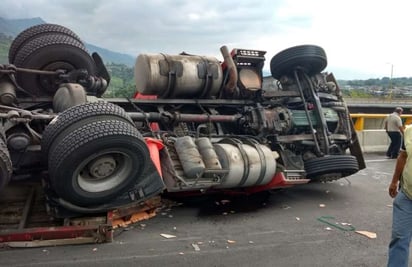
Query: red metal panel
(100, 232)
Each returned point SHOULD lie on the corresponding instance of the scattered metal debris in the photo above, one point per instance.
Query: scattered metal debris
(168, 236)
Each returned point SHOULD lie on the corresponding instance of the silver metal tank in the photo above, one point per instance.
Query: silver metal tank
(258, 168)
(178, 76)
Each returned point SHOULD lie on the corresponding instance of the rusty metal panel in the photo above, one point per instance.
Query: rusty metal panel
(25, 222)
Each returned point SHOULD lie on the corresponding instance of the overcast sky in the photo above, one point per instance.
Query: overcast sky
(362, 38)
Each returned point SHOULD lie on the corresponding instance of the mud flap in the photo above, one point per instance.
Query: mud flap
(150, 185)
(355, 148)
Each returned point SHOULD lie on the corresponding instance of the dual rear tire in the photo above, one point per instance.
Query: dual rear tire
(48, 47)
(96, 156)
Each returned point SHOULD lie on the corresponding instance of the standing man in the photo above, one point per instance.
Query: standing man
(394, 129)
(401, 189)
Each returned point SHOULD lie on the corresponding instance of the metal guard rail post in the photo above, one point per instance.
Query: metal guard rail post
(359, 119)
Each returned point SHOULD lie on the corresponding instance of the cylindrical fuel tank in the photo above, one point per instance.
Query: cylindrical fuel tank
(248, 165)
(178, 76)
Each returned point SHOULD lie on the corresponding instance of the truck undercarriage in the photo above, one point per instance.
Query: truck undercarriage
(195, 125)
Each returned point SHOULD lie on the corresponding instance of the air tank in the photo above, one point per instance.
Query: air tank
(189, 156)
(208, 153)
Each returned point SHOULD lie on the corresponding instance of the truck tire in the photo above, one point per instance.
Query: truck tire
(50, 52)
(97, 162)
(68, 119)
(342, 165)
(5, 165)
(36, 31)
(311, 58)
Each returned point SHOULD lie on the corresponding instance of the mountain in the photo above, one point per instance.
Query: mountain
(12, 27)
(110, 56)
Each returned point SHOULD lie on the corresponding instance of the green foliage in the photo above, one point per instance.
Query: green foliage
(122, 81)
(359, 93)
(5, 42)
(384, 82)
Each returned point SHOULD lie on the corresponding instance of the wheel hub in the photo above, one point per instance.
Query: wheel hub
(102, 167)
(50, 83)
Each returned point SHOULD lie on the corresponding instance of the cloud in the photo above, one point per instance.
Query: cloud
(363, 39)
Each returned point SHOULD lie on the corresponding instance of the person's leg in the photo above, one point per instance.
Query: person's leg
(388, 152)
(401, 231)
(390, 148)
(397, 142)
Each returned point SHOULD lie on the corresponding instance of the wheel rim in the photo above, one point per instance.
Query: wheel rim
(103, 171)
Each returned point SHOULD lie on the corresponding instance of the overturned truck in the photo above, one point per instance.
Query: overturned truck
(196, 125)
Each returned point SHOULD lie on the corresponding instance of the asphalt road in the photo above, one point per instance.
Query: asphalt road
(283, 228)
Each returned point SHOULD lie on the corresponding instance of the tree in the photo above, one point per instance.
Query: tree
(122, 81)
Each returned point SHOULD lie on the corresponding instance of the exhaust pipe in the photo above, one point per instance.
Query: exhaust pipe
(230, 87)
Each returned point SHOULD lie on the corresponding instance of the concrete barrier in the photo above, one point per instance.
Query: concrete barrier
(372, 141)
